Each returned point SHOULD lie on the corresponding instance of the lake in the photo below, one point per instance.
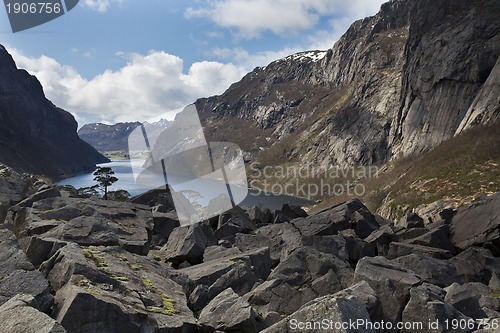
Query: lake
(123, 171)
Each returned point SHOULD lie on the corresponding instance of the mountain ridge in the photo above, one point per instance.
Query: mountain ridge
(36, 136)
(397, 83)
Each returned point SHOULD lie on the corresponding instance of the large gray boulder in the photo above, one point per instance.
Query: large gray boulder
(391, 282)
(439, 272)
(13, 189)
(349, 215)
(107, 289)
(477, 223)
(281, 239)
(239, 271)
(326, 314)
(188, 243)
(437, 237)
(472, 299)
(397, 249)
(18, 275)
(306, 264)
(83, 221)
(476, 265)
(276, 296)
(228, 312)
(427, 307)
(20, 314)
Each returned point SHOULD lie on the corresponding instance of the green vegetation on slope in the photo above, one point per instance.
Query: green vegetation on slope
(457, 170)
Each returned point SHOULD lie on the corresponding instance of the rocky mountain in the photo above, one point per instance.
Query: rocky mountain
(398, 83)
(72, 264)
(36, 136)
(108, 138)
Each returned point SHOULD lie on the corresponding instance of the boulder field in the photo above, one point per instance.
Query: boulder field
(72, 264)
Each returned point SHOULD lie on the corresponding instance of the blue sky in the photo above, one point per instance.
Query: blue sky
(127, 60)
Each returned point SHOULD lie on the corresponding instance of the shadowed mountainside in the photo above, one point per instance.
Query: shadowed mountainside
(36, 136)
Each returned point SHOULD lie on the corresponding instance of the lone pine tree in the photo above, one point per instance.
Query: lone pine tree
(105, 177)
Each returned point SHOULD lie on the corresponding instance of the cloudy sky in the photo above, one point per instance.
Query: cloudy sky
(129, 60)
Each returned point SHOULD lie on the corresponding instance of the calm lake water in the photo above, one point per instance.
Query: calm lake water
(123, 171)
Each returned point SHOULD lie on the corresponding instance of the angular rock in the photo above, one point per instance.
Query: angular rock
(164, 223)
(412, 220)
(259, 215)
(306, 264)
(293, 212)
(349, 215)
(381, 239)
(134, 292)
(239, 272)
(335, 309)
(363, 293)
(85, 222)
(477, 223)
(18, 275)
(219, 252)
(188, 243)
(279, 217)
(13, 188)
(233, 226)
(437, 238)
(281, 239)
(476, 265)
(43, 193)
(41, 249)
(410, 233)
(334, 245)
(275, 296)
(439, 272)
(20, 314)
(357, 248)
(427, 306)
(397, 250)
(228, 312)
(466, 298)
(391, 282)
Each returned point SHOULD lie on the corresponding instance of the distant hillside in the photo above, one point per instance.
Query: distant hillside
(112, 140)
(107, 137)
(36, 136)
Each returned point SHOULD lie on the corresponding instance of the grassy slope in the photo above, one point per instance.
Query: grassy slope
(457, 170)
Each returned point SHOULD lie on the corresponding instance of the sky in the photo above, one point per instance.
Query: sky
(135, 60)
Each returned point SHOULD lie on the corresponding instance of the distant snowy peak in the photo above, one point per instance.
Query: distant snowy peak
(161, 123)
(308, 56)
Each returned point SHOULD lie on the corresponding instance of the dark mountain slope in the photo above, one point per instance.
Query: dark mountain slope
(35, 135)
(400, 82)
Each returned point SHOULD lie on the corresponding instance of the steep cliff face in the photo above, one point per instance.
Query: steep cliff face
(400, 82)
(36, 136)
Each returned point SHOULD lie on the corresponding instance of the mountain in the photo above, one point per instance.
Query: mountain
(109, 138)
(395, 84)
(36, 136)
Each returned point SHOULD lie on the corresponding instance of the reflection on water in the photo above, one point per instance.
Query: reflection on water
(123, 171)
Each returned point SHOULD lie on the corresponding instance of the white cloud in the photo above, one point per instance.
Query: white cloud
(100, 6)
(251, 18)
(149, 85)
